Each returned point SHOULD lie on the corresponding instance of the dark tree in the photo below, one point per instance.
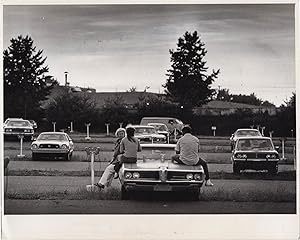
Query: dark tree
(68, 107)
(188, 82)
(114, 111)
(26, 82)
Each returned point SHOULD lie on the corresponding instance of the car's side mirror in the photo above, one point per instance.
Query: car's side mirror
(277, 148)
(34, 139)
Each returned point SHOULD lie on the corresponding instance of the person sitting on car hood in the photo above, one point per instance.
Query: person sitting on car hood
(187, 152)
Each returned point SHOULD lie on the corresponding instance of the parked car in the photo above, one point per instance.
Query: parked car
(147, 133)
(33, 123)
(257, 153)
(243, 132)
(160, 128)
(52, 145)
(170, 122)
(154, 171)
(16, 127)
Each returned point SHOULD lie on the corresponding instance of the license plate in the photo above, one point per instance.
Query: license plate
(163, 188)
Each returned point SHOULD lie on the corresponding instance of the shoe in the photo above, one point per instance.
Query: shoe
(116, 176)
(99, 185)
(208, 183)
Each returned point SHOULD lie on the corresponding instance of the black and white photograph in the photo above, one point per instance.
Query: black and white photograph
(177, 110)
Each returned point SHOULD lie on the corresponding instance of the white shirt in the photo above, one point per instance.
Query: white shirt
(188, 146)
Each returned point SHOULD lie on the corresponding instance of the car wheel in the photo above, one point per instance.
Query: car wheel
(124, 193)
(34, 156)
(273, 169)
(236, 169)
(67, 157)
(195, 195)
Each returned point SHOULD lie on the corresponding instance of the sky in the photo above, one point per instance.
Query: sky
(116, 47)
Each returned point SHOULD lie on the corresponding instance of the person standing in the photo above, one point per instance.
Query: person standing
(109, 172)
(187, 152)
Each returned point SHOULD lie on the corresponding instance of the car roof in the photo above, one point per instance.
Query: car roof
(154, 123)
(247, 129)
(253, 137)
(159, 118)
(140, 126)
(62, 133)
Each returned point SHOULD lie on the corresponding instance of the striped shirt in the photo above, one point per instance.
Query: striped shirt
(188, 146)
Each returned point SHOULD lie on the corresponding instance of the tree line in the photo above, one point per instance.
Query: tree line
(27, 85)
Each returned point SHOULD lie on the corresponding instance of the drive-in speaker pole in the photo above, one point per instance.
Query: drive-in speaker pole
(282, 145)
(54, 126)
(262, 131)
(71, 127)
(214, 128)
(107, 128)
(21, 155)
(92, 151)
(121, 124)
(271, 134)
(87, 131)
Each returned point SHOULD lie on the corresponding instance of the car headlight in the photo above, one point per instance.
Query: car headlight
(64, 146)
(128, 175)
(34, 146)
(135, 175)
(272, 156)
(242, 156)
(28, 130)
(8, 130)
(189, 176)
(197, 176)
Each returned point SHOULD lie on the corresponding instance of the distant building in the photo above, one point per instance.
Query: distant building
(220, 108)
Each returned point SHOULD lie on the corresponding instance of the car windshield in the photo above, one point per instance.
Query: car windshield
(249, 144)
(160, 127)
(18, 123)
(156, 153)
(59, 137)
(144, 130)
(248, 133)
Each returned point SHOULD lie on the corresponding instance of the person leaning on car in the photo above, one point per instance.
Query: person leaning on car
(187, 152)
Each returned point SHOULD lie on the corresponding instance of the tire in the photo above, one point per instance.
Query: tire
(124, 193)
(67, 157)
(236, 169)
(273, 169)
(34, 156)
(195, 195)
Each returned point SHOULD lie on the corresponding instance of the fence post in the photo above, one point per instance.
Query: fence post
(21, 155)
(87, 131)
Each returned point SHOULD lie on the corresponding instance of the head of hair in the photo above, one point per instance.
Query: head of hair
(186, 129)
(120, 130)
(130, 134)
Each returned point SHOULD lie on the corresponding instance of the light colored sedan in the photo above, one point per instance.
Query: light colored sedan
(154, 171)
(52, 145)
(243, 132)
(147, 133)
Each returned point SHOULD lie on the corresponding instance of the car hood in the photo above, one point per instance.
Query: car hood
(156, 164)
(50, 142)
(256, 151)
(18, 127)
(154, 135)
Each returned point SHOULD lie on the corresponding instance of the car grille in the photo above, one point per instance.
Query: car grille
(150, 174)
(49, 146)
(19, 130)
(177, 175)
(256, 155)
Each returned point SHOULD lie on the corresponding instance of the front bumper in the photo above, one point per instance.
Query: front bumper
(15, 134)
(51, 151)
(255, 164)
(162, 187)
